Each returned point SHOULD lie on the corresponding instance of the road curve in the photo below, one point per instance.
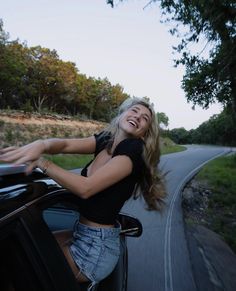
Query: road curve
(159, 259)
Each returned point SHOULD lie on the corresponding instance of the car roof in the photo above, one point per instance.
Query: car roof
(17, 188)
(9, 169)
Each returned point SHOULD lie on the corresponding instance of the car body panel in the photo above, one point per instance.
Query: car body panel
(31, 208)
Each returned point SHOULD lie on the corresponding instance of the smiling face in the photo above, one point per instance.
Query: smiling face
(135, 121)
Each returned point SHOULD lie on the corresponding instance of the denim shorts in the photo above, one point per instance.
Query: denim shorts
(95, 250)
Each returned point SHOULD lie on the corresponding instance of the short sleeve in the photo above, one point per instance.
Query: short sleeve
(102, 140)
(133, 148)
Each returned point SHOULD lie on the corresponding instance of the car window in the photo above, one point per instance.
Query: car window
(60, 216)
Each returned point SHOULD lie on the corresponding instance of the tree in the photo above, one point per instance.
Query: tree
(179, 135)
(51, 83)
(97, 98)
(35, 78)
(65, 87)
(219, 129)
(163, 119)
(3, 35)
(212, 77)
(13, 70)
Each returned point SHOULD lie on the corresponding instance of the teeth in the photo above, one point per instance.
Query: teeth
(132, 123)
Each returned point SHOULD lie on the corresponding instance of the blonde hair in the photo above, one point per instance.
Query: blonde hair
(151, 187)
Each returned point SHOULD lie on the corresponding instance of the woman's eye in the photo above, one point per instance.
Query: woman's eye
(145, 118)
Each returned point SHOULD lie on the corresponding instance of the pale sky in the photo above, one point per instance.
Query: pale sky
(126, 44)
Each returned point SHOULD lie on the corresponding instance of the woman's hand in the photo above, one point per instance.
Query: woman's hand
(24, 155)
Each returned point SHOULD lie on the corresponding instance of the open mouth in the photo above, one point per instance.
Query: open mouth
(133, 123)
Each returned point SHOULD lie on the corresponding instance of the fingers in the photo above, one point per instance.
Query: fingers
(18, 159)
(8, 149)
(17, 155)
(30, 167)
(10, 156)
(24, 154)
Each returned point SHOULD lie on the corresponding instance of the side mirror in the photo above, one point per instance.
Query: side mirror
(130, 226)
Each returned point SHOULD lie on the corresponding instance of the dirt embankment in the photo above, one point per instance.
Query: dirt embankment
(17, 128)
(199, 209)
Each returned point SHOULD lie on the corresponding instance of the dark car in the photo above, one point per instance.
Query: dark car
(31, 208)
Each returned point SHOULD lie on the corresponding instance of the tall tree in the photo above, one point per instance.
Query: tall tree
(179, 135)
(13, 70)
(51, 82)
(3, 35)
(163, 119)
(41, 77)
(219, 129)
(212, 77)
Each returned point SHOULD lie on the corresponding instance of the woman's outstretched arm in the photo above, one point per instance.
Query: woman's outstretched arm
(30, 153)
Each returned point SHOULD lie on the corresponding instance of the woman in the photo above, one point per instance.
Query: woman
(125, 162)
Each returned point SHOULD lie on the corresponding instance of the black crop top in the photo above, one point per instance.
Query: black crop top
(104, 206)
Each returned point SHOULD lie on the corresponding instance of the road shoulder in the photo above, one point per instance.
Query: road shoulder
(213, 262)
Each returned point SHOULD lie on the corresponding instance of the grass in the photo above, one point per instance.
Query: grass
(168, 146)
(221, 176)
(70, 161)
(172, 149)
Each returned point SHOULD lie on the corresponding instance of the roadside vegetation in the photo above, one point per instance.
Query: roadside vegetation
(221, 211)
(17, 128)
(172, 149)
(214, 195)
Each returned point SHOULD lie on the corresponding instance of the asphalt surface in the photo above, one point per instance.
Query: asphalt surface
(170, 256)
(213, 262)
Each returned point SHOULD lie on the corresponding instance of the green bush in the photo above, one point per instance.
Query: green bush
(220, 174)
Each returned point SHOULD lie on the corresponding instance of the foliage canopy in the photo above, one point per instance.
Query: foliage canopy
(36, 79)
(210, 74)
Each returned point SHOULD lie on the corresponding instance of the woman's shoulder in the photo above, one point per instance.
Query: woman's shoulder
(102, 135)
(133, 146)
(102, 138)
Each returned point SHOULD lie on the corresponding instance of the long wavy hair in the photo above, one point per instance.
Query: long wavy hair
(151, 187)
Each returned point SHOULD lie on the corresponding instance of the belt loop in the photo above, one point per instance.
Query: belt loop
(103, 233)
(76, 225)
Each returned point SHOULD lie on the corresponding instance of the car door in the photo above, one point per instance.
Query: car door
(30, 258)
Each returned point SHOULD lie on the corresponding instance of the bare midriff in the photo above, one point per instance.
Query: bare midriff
(85, 221)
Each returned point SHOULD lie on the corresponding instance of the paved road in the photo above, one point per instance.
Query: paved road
(159, 260)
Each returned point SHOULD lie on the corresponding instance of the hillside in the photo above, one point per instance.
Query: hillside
(17, 128)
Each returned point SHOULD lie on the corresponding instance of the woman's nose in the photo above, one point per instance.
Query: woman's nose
(137, 116)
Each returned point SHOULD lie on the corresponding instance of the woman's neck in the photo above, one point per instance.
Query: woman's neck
(120, 135)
